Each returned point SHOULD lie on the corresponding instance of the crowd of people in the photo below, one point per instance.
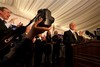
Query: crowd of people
(21, 52)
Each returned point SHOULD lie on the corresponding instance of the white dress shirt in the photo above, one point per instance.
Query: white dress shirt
(74, 34)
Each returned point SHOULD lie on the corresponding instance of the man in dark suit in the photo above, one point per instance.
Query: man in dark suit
(70, 37)
(4, 15)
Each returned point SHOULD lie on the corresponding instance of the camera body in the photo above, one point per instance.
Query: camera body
(47, 18)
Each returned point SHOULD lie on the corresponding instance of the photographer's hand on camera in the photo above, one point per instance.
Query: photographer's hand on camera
(35, 29)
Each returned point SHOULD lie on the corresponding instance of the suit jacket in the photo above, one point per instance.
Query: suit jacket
(2, 26)
(3, 31)
(69, 38)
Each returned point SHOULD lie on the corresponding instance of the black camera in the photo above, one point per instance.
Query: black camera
(47, 18)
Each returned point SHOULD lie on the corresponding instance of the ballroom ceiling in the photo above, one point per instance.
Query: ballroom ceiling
(85, 13)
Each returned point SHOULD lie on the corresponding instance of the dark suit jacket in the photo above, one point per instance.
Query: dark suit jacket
(69, 38)
(3, 31)
(2, 26)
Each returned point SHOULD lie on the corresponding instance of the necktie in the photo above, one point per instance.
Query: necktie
(75, 35)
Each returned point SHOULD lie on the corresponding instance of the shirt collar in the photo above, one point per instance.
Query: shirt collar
(72, 31)
(1, 18)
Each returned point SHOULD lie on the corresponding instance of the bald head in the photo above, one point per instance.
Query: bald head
(72, 26)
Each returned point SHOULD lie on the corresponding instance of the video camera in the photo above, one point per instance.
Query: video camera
(47, 18)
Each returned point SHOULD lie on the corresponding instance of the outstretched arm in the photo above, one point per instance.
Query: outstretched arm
(35, 30)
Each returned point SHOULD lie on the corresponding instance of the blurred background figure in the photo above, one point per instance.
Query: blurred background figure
(56, 48)
(38, 50)
(47, 49)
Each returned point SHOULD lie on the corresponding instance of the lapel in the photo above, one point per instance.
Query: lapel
(72, 35)
(2, 25)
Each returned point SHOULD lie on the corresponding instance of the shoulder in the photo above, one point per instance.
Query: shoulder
(67, 31)
(1, 21)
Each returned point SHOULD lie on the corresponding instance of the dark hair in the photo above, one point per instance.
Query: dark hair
(2, 8)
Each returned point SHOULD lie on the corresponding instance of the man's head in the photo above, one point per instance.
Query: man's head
(72, 26)
(4, 13)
